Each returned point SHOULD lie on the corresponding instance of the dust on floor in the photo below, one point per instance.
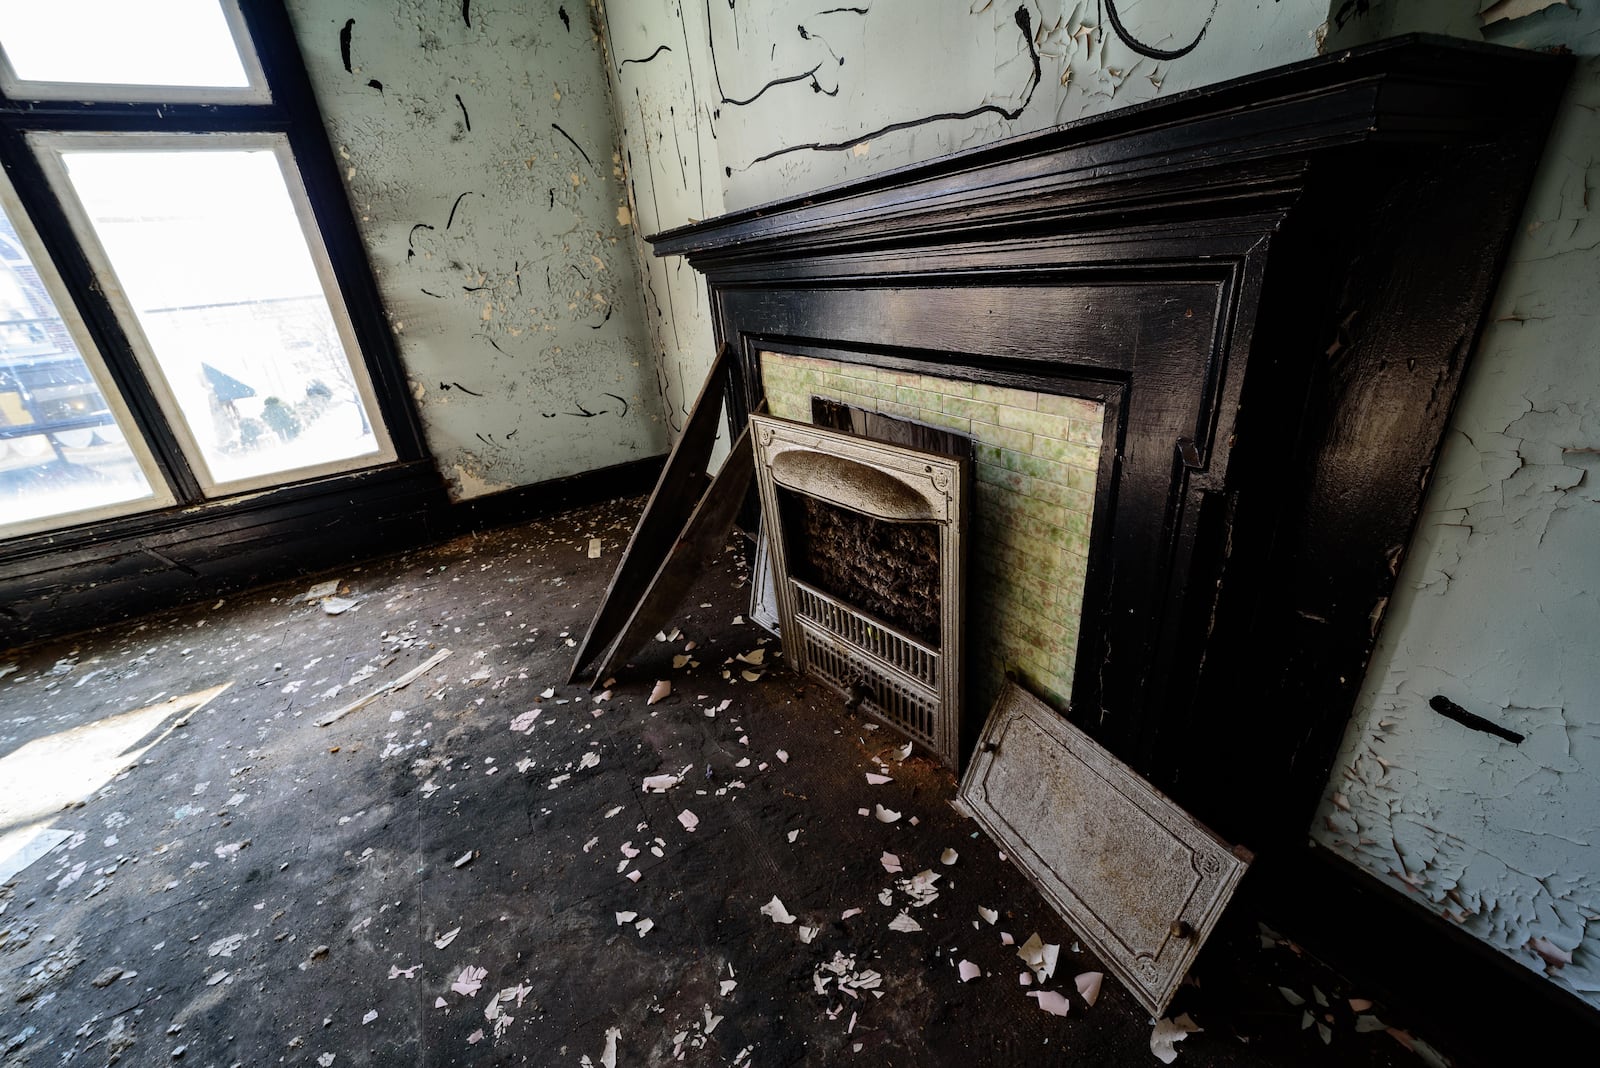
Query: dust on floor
(709, 862)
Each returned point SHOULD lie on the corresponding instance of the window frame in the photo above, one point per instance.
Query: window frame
(160, 495)
(290, 112)
(257, 91)
(49, 148)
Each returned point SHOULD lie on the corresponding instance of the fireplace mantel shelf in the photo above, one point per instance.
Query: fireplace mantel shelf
(1416, 89)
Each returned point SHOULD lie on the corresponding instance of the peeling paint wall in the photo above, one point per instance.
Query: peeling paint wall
(480, 157)
(670, 149)
(1498, 604)
(735, 104)
(725, 105)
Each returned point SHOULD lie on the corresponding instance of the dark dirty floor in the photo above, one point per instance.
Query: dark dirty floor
(469, 870)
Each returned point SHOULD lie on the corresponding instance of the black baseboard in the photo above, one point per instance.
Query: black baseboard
(60, 583)
(1469, 1000)
(556, 495)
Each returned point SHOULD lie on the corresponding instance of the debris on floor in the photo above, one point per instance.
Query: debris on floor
(705, 861)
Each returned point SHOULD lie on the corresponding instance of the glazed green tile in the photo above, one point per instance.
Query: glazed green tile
(1002, 436)
(975, 411)
(999, 476)
(917, 398)
(1086, 432)
(945, 387)
(1053, 514)
(1017, 398)
(1071, 407)
(1051, 426)
(1067, 452)
(949, 422)
(1072, 500)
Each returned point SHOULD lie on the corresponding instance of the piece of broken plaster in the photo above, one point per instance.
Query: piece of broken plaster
(1168, 1032)
(884, 815)
(904, 924)
(1088, 985)
(662, 689)
(469, 980)
(775, 909)
(1052, 1002)
(969, 971)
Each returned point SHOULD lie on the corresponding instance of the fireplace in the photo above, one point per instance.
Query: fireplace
(867, 544)
(1238, 315)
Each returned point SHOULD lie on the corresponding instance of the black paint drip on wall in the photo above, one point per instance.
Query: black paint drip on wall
(496, 345)
(659, 49)
(1024, 23)
(464, 117)
(1348, 10)
(451, 221)
(565, 19)
(839, 10)
(807, 35)
(575, 145)
(411, 238)
(788, 79)
(466, 12)
(448, 386)
(1450, 710)
(1150, 51)
(375, 84)
(344, 43)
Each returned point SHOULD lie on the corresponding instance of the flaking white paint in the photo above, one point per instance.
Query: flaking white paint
(1498, 602)
(506, 274)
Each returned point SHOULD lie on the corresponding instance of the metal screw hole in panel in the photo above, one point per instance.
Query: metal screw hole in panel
(891, 699)
(867, 634)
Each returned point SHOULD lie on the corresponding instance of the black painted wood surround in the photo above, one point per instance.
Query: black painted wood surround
(1275, 284)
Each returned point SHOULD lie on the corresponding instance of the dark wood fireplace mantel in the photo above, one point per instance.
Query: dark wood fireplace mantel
(1274, 286)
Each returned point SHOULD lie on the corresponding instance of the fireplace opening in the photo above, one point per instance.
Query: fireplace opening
(866, 545)
(1035, 461)
(886, 569)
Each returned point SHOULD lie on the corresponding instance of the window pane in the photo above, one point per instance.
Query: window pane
(209, 252)
(61, 448)
(122, 42)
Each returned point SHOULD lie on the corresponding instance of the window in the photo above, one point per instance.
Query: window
(173, 328)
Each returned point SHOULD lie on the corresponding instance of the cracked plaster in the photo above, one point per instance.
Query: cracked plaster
(1496, 605)
(497, 246)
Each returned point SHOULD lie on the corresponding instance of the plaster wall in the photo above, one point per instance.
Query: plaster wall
(480, 157)
(1499, 597)
(738, 104)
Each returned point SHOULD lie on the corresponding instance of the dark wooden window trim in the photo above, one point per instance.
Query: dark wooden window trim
(82, 573)
(292, 112)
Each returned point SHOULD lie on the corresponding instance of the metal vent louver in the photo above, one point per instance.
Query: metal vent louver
(914, 686)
